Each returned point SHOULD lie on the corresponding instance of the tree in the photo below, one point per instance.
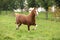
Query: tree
(46, 4)
(3, 4)
(32, 3)
(57, 2)
(22, 4)
(57, 11)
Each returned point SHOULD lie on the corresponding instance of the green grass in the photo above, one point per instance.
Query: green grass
(46, 29)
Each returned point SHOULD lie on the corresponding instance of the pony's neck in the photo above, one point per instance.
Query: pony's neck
(32, 16)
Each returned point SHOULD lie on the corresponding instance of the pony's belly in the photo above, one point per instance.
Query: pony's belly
(25, 22)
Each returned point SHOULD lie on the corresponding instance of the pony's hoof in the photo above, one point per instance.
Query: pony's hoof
(28, 31)
(34, 29)
(16, 28)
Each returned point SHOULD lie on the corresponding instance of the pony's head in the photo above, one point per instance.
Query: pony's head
(34, 11)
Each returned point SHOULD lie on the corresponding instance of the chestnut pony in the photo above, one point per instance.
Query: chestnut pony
(26, 19)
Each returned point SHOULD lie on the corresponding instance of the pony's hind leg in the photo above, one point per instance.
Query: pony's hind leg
(28, 28)
(35, 27)
(17, 26)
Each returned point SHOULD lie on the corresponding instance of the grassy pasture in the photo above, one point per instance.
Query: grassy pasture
(46, 29)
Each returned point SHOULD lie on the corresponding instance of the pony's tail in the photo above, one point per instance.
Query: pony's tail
(16, 14)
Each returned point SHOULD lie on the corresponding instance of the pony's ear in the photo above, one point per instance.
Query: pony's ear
(35, 8)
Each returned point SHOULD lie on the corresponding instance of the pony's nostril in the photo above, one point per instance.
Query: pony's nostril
(37, 13)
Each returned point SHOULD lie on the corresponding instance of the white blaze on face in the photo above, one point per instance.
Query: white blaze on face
(36, 12)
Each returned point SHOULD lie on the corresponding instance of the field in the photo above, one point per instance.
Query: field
(46, 29)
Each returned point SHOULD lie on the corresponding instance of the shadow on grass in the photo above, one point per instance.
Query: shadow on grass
(55, 38)
(8, 38)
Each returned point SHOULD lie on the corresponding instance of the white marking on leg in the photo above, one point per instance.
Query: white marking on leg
(16, 26)
(36, 12)
(28, 31)
(35, 27)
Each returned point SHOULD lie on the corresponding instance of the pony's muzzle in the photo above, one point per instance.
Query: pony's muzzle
(36, 13)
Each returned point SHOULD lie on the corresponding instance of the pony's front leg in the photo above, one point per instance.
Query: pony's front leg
(17, 26)
(28, 28)
(35, 26)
